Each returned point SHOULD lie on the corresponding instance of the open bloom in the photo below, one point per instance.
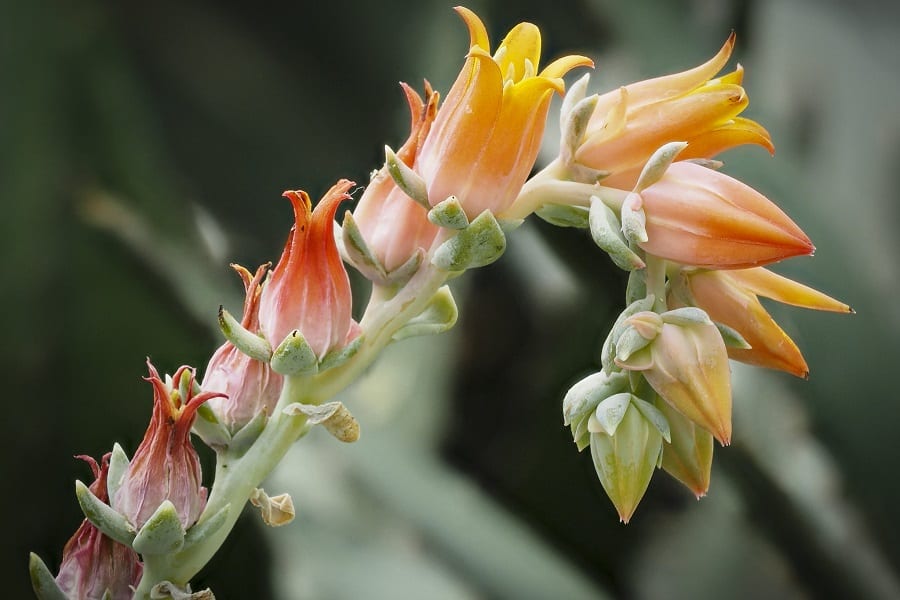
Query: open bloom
(393, 225)
(309, 290)
(248, 385)
(630, 123)
(701, 217)
(166, 466)
(732, 298)
(93, 564)
(488, 131)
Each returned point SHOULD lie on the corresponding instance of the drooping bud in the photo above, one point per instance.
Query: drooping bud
(488, 131)
(687, 365)
(700, 217)
(308, 290)
(93, 564)
(732, 298)
(625, 447)
(248, 385)
(166, 466)
(688, 457)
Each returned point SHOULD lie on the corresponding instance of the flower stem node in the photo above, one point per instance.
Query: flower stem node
(565, 215)
(626, 447)
(275, 510)
(334, 416)
(244, 340)
(104, 517)
(439, 315)
(163, 532)
(449, 214)
(582, 399)
(479, 244)
(406, 179)
(294, 356)
(607, 234)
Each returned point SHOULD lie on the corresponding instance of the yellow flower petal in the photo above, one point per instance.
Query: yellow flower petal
(477, 32)
(777, 287)
(561, 66)
(522, 43)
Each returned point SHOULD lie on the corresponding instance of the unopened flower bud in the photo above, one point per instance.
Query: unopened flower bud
(687, 364)
(626, 448)
(688, 458)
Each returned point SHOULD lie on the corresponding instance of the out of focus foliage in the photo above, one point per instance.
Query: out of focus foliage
(144, 146)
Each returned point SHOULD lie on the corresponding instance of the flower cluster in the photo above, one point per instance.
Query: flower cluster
(636, 167)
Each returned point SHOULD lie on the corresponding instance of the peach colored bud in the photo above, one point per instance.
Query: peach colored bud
(697, 216)
(93, 564)
(166, 466)
(248, 385)
(308, 290)
(487, 134)
(630, 123)
(687, 365)
(732, 298)
(393, 225)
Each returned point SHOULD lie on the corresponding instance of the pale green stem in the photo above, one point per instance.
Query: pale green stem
(238, 476)
(656, 281)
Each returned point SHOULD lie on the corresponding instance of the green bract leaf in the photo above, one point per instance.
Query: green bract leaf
(162, 533)
(479, 244)
(564, 215)
(294, 356)
(42, 581)
(246, 341)
(610, 413)
(449, 213)
(103, 516)
(406, 179)
(439, 315)
(606, 232)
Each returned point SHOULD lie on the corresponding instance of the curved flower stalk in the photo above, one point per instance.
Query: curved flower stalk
(248, 385)
(488, 131)
(308, 291)
(732, 298)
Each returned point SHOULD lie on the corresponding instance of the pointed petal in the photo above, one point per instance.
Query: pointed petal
(477, 33)
(777, 287)
(522, 43)
(561, 66)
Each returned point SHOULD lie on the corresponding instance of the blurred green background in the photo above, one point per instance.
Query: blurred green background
(145, 146)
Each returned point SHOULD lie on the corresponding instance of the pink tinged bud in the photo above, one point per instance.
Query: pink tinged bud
(93, 564)
(697, 216)
(248, 386)
(487, 134)
(165, 466)
(688, 458)
(626, 457)
(393, 225)
(687, 365)
(732, 298)
(309, 290)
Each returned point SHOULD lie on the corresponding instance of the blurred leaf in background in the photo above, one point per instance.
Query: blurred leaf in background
(143, 147)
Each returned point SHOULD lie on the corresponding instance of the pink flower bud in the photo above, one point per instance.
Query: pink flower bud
(248, 385)
(687, 365)
(309, 289)
(697, 216)
(393, 225)
(93, 564)
(487, 134)
(165, 466)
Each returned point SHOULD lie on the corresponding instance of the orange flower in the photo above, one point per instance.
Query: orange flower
(486, 136)
(393, 225)
(309, 290)
(249, 385)
(732, 298)
(630, 123)
(698, 216)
